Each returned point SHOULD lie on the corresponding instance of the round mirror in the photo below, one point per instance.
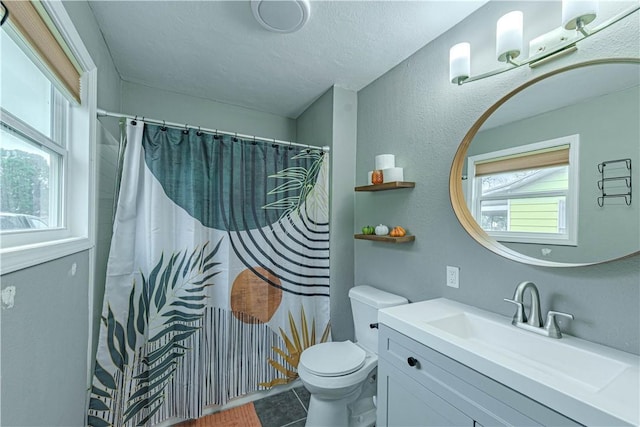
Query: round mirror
(546, 175)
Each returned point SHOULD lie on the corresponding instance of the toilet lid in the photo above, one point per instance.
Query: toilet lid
(333, 359)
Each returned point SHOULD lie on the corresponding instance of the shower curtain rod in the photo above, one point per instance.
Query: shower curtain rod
(103, 113)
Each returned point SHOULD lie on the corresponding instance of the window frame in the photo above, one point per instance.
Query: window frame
(32, 136)
(25, 249)
(474, 200)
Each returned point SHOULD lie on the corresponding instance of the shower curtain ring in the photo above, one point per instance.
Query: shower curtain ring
(134, 121)
(290, 145)
(5, 15)
(235, 137)
(254, 141)
(164, 127)
(199, 133)
(186, 129)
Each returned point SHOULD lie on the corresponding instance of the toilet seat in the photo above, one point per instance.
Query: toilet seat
(333, 359)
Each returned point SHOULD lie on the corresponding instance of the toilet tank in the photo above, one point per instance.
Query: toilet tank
(365, 303)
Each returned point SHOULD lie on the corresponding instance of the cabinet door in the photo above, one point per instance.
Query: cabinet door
(408, 404)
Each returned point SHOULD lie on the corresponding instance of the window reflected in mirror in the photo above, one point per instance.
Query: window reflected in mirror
(522, 194)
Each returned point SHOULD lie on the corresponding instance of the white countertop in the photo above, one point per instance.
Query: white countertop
(590, 399)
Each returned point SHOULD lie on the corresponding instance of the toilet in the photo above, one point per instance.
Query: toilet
(341, 376)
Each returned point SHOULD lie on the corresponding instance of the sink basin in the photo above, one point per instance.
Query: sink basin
(549, 355)
(587, 382)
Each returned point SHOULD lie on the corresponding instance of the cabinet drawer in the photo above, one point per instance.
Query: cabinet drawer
(406, 403)
(484, 400)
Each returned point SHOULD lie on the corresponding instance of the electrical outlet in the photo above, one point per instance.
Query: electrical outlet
(453, 274)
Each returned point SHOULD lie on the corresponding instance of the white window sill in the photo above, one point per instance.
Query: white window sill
(538, 240)
(17, 258)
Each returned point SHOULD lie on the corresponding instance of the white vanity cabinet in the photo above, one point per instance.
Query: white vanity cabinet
(418, 386)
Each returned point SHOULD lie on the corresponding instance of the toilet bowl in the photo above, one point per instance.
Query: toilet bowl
(341, 376)
(335, 382)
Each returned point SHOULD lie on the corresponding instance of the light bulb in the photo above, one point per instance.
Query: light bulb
(459, 62)
(509, 36)
(578, 13)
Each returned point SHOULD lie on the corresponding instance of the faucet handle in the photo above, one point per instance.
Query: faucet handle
(552, 326)
(519, 317)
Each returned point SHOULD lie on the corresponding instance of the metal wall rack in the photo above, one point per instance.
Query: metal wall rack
(619, 190)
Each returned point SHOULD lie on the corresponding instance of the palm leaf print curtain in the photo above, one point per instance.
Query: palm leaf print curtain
(218, 273)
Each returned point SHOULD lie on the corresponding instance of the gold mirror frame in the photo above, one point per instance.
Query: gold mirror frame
(457, 197)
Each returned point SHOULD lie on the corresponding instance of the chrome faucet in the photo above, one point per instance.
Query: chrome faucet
(533, 322)
(518, 298)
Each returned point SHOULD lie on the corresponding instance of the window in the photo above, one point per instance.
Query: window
(32, 142)
(46, 142)
(527, 194)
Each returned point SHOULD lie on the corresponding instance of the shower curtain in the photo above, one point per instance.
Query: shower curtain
(218, 273)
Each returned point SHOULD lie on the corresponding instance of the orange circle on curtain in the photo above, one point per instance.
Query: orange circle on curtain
(253, 300)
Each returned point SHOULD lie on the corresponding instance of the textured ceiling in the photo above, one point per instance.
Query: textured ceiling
(216, 49)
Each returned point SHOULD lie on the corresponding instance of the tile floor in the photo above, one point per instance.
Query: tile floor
(288, 408)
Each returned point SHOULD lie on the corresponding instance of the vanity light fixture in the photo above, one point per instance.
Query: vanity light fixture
(576, 15)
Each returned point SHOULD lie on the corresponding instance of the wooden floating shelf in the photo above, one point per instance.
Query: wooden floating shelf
(387, 239)
(386, 186)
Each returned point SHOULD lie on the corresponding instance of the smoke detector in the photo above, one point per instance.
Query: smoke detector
(281, 16)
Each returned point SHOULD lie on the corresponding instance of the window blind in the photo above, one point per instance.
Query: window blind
(538, 159)
(27, 21)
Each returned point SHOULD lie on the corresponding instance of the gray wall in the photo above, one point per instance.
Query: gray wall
(331, 121)
(343, 156)
(44, 344)
(415, 113)
(608, 129)
(164, 105)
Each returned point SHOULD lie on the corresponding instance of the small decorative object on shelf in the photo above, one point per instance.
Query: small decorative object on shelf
(377, 177)
(618, 180)
(382, 230)
(368, 230)
(398, 231)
